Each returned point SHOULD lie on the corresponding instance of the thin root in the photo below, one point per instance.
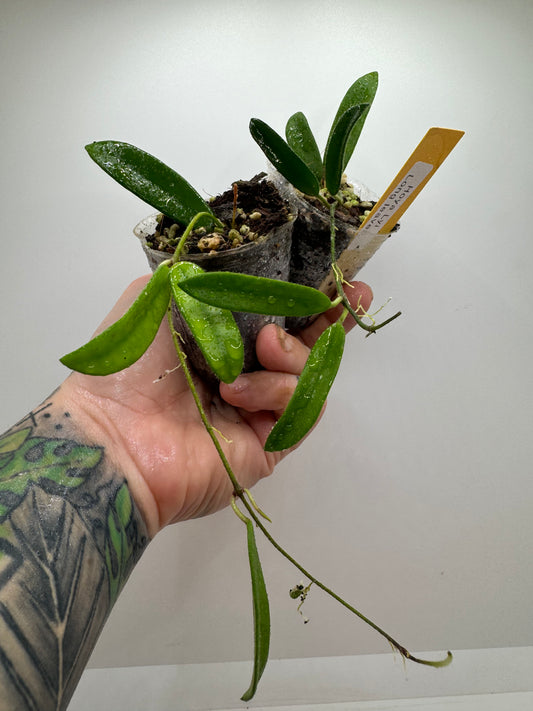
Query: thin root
(166, 372)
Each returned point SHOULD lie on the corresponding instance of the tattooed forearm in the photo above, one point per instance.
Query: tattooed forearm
(70, 534)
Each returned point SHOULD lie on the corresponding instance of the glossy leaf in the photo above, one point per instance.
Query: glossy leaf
(127, 339)
(150, 179)
(300, 138)
(362, 91)
(261, 614)
(335, 149)
(311, 392)
(258, 295)
(214, 329)
(283, 158)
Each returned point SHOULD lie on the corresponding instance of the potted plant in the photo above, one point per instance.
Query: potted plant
(326, 204)
(205, 300)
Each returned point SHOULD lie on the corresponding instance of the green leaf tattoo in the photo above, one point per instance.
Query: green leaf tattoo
(42, 461)
(119, 547)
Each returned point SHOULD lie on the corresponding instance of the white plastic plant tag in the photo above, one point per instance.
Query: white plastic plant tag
(422, 164)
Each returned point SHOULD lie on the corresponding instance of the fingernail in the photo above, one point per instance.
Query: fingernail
(239, 384)
(284, 340)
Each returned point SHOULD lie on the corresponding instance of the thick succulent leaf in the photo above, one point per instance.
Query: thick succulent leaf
(150, 179)
(261, 614)
(283, 158)
(258, 295)
(214, 329)
(127, 339)
(300, 138)
(335, 149)
(362, 91)
(313, 386)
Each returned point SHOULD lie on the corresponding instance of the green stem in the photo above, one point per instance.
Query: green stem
(401, 649)
(188, 231)
(342, 298)
(252, 507)
(208, 426)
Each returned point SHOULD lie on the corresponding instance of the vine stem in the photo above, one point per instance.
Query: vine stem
(188, 231)
(339, 278)
(240, 493)
(401, 649)
(238, 490)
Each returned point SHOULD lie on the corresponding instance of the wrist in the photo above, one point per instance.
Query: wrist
(90, 418)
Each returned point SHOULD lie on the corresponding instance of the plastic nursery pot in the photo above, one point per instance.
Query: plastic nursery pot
(311, 243)
(268, 256)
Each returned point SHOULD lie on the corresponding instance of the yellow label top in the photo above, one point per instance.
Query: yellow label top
(422, 164)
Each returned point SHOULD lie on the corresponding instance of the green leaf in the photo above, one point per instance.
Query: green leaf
(311, 392)
(283, 158)
(261, 614)
(300, 138)
(124, 505)
(257, 295)
(150, 179)
(335, 149)
(214, 329)
(127, 339)
(362, 91)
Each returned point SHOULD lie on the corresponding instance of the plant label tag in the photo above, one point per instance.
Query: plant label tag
(423, 163)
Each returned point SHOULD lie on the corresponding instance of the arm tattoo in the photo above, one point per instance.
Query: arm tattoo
(70, 534)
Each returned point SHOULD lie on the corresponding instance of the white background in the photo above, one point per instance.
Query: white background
(414, 496)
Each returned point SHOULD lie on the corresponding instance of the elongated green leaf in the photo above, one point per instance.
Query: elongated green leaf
(283, 158)
(261, 614)
(311, 391)
(334, 153)
(258, 295)
(150, 179)
(214, 329)
(300, 138)
(127, 339)
(362, 91)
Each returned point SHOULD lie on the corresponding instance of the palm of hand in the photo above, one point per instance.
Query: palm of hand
(155, 432)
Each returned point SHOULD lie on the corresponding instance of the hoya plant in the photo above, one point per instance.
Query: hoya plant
(299, 159)
(207, 300)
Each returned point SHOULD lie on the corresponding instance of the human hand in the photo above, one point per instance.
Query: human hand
(148, 422)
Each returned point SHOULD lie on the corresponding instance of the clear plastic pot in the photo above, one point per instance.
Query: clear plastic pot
(268, 256)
